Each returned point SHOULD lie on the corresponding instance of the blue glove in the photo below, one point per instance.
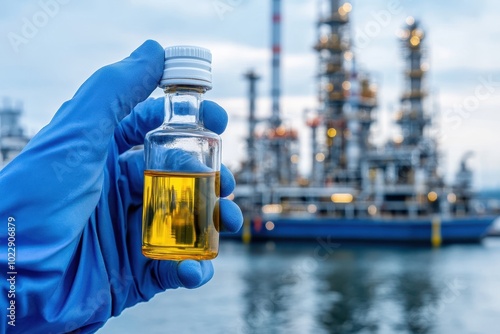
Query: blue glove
(74, 198)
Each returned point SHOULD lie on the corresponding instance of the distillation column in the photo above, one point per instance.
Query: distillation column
(332, 44)
(412, 118)
(252, 78)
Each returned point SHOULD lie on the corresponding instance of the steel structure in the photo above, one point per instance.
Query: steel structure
(346, 96)
(352, 181)
(12, 137)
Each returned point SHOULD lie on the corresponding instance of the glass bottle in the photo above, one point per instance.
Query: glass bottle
(182, 165)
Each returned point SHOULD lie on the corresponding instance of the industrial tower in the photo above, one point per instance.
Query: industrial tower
(403, 176)
(411, 118)
(273, 154)
(346, 100)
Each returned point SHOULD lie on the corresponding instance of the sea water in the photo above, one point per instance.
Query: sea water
(326, 287)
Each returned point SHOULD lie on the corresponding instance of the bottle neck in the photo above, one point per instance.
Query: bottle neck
(182, 105)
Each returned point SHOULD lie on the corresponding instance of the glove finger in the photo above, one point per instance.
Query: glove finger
(150, 114)
(227, 182)
(193, 274)
(132, 175)
(214, 116)
(144, 117)
(230, 216)
(188, 274)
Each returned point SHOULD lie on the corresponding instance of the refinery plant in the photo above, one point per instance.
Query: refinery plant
(356, 190)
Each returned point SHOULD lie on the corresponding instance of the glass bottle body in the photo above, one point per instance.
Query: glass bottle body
(181, 182)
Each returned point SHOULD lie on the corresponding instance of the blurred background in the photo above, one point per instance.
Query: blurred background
(50, 47)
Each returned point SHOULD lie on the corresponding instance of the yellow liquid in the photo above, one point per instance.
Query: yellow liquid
(180, 218)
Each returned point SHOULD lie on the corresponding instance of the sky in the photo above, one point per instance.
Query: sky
(69, 40)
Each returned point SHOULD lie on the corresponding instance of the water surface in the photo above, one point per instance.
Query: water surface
(324, 287)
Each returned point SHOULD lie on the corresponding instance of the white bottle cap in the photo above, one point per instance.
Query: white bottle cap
(187, 65)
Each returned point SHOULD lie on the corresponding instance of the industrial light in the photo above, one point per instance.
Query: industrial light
(272, 208)
(432, 196)
(331, 132)
(342, 198)
(294, 158)
(398, 139)
(348, 55)
(269, 226)
(312, 208)
(280, 130)
(320, 157)
(346, 85)
(372, 210)
(415, 40)
(404, 33)
(347, 7)
(417, 32)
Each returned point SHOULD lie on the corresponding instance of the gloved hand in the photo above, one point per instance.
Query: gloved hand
(75, 193)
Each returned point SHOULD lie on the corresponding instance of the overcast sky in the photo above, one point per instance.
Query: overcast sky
(72, 39)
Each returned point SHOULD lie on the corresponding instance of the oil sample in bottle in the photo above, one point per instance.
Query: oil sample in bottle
(180, 215)
(182, 165)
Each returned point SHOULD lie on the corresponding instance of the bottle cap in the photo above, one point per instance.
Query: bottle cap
(187, 65)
